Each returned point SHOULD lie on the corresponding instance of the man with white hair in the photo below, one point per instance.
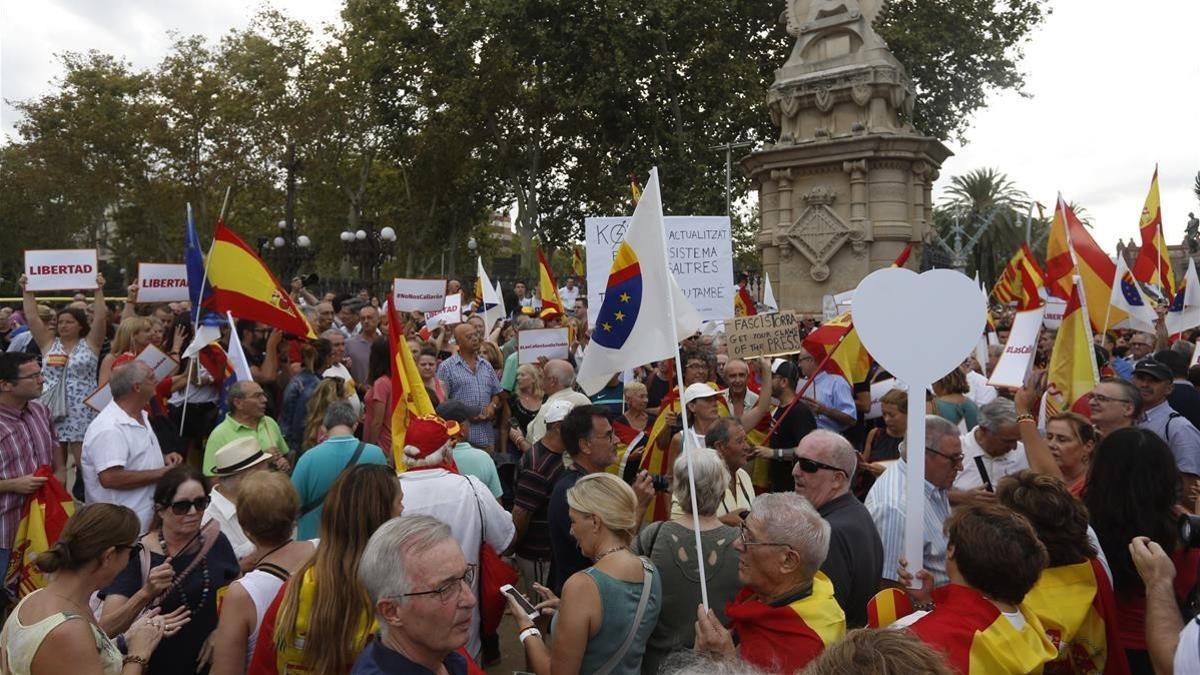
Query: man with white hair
(785, 614)
(995, 442)
(338, 368)
(432, 487)
(825, 464)
(558, 380)
(887, 502)
(421, 587)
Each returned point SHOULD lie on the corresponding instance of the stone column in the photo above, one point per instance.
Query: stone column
(858, 197)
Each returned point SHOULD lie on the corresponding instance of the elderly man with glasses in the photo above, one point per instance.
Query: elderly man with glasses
(886, 501)
(420, 584)
(786, 614)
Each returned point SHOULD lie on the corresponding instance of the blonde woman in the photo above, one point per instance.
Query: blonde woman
(603, 606)
(524, 404)
(133, 334)
(326, 392)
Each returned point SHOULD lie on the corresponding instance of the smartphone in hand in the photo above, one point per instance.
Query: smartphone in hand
(526, 606)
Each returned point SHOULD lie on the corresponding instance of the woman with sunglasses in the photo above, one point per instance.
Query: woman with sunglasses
(202, 563)
(42, 634)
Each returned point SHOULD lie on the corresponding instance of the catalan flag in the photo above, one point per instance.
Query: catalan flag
(409, 398)
(1153, 264)
(977, 639)
(1072, 372)
(1076, 606)
(886, 606)
(1021, 280)
(783, 639)
(1060, 262)
(242, 284)
(547, 286)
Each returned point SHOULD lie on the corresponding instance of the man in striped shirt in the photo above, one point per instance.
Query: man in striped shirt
(26, 441)
(886, 502)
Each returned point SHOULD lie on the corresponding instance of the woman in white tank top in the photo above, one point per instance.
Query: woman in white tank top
(267, 505)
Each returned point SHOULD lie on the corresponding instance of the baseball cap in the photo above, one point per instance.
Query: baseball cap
(556, 411)
(700, 390)
(1153, 369)
(785, 369)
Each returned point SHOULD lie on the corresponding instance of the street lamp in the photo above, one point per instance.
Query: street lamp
(370, 248)
(286, 251)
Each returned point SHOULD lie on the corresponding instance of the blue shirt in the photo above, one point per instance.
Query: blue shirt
(378, 658)
(472, 461)
(1122, 367)
(1178, 432)
(886, 503)
(476, 389)
(316, 471)
(833, 391)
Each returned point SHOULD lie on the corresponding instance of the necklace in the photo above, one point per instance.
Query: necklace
(268, 553)
(177, 580)
(605, 553)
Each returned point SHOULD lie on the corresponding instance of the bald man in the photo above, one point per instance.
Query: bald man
(469, 378)
(558, 380)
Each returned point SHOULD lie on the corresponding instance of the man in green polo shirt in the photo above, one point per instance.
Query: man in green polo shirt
(247, 417)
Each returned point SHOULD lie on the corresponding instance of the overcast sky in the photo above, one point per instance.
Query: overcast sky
(1114, 88)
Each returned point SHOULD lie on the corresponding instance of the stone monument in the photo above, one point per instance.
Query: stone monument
(847, 185)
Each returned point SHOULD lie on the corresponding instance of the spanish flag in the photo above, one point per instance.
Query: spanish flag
(577, 261)
(977, 639)
(244, 285)
(409, 398)
(1153, 264)
(1079, 612)
(659, 461)
(1072, 251)
(1021, 280)
(743, 304)
(1072, 372)
(547, 286)
(43, 518)
(784, 639)
(627, 440)
(635, 190)
(835, 344)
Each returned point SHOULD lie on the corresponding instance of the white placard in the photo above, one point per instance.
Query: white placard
(61, 269)
(162, 282)
(450, 314)
(163, 366)
(419, 295)
(878, 389)
(552, 343)
(699, 252)
(1055, 308)
(1017, 357)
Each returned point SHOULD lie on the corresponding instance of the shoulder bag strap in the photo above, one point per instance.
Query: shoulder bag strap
(478, 507)
(315, 503)
(647, 582)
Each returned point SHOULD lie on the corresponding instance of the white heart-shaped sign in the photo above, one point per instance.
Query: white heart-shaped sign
(919, 326)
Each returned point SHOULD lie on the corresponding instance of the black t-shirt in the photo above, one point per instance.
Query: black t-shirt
(796, 422)
(656, 389)
(855, 559)
(565, 557)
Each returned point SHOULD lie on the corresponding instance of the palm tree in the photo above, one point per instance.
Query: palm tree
(985, 198)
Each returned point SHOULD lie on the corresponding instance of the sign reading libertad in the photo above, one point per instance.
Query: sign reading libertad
(57, 270)
(763, 335)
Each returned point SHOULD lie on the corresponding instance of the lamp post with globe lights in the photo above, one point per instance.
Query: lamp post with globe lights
(287, 252)
(369, 249)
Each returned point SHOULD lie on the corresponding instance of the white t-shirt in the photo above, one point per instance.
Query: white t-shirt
(568, 297)
(114, 439)
(1187, 653)
(980, 391)
(996, 467)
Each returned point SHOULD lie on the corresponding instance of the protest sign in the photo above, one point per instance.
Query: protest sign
(60, 269)
(699, 253)
(1055, 308)
(1017, 357)
(763, 335)
(160, 282)
(450, 314)
(419, 295)
(878, 389)
(162, 365)
(551, 343)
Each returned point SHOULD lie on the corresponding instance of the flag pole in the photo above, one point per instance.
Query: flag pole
(196, 316)
(686, 433)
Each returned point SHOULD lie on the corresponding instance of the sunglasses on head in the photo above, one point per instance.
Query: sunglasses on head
(181, 507)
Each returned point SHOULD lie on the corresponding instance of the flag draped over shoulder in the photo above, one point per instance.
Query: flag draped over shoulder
(977, 639)
(1072, 372)
(1079, 612)
(632, 327)
(547, 286)
(743, 304)
(1021, 280)
(1153, 263)
(784, 639)
(409, 398)
(1080, 256)
(244, 285)
(43, 518)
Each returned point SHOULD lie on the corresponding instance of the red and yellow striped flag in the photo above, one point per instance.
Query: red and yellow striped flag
(783, 639)
(547, 286)
(1060, 264)
(409, 398)
(1153, 264)
(1072, 372)
(1020, 281)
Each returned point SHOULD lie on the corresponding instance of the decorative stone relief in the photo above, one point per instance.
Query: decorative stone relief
(818, 233)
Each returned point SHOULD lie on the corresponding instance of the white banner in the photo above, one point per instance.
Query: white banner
(450, 314)
(878, 389)
(551, 343)
(1054, 310)
(699, 252)
(162, 365)
(61, 269)
(162, 282)
(1017, 357)
(419, 295)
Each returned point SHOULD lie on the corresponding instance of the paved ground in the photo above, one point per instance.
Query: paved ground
(512, 655)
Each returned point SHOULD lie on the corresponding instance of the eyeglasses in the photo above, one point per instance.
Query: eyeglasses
(744, 535)
(183, 506)
(1101, 398)
(954, 459)
(812, 466)
(31, 376)
(451, 588)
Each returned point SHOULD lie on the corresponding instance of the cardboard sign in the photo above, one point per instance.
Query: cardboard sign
(159, 282)
(163, 366)
(61, 269)
(450, 314)
(1017, 357)
(763, 335)
(552, 343)
(699, 253)
(1055, 309)
(419, 295)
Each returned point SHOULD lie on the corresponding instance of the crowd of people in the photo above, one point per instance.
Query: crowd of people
(271, 525)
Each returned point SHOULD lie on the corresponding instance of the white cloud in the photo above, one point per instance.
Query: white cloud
(1115, 88)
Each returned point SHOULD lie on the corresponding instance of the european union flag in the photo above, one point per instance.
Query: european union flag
(622, 300)
(1129, 290)
(1177, 302)
(199, 290)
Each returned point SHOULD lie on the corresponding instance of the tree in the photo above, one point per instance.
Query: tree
(987, 199)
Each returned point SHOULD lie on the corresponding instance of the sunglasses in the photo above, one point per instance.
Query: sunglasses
(183, 506)
(812, 466)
